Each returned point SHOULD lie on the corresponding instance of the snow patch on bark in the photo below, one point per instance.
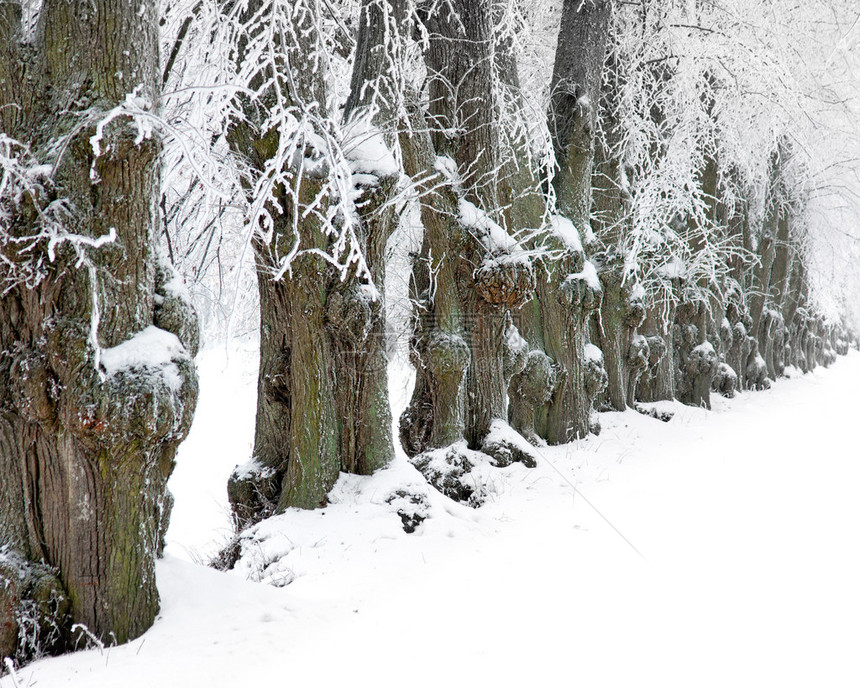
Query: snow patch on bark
(175, 285)
(514, 340)
(494, 238)
(151, 348)
(252, 468)
(446, 166)
(704, 349)
(592, 353)
(507, 446)
(589, 275)
(564, 230)
(364, 147)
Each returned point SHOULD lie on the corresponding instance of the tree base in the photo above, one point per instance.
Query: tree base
(34, 619)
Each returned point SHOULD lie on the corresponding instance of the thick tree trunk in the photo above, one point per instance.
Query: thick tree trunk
(792, 313)
(489, 281)
(739, 231)
(88, 428)
(766, 249)
(439, 350)
(532, 376)
(615, 328)
(367, 441)
(296, 458)
(659, 379)
(736, 341)
(574, 95)
(556, 322)
(647, 389)
(462, 112)
(322, 392)
(695, 358)
(621, 311)
(469, 275)
(778, 295)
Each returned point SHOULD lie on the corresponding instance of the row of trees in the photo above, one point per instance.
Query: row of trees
(613, 206)
(646, 240)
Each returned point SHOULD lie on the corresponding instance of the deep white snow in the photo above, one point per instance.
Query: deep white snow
(732, 560)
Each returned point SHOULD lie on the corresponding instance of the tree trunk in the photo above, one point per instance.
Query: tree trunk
(88, 428)
(470, 273)
(489, 280)
(778, 294)
(695, 358)
(532, 376)
(368, 442)
(439, 350)
(790, 312)
(556, 321)
(575, 91)
(766, 249)
(621, 310)
(660, 378)
(322, 391)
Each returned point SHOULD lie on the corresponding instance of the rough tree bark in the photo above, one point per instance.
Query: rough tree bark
(734, 347)
(779, 292)
(464, 117)
(760, 275)
(695, 358)
(88, 429)
(622, 311)
(658, 381)
(367, 440)
(532, 375)
(793, 314)
(467, 279)
(434, 417)
(322, 391)
(555, 322)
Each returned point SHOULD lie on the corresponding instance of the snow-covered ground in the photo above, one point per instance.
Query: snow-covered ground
(719, 549)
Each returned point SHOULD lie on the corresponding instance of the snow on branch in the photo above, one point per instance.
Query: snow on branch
(26, 184)
(298, 173)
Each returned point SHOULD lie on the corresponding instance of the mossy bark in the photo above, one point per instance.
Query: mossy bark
(322, 390)
(480, 286)
(438, 348)
(86, 455)
(556, 321)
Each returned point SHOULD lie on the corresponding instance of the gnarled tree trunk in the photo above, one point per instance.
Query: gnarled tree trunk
(88, 425)
(322, 391)
(466, 279)
(556, 321)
